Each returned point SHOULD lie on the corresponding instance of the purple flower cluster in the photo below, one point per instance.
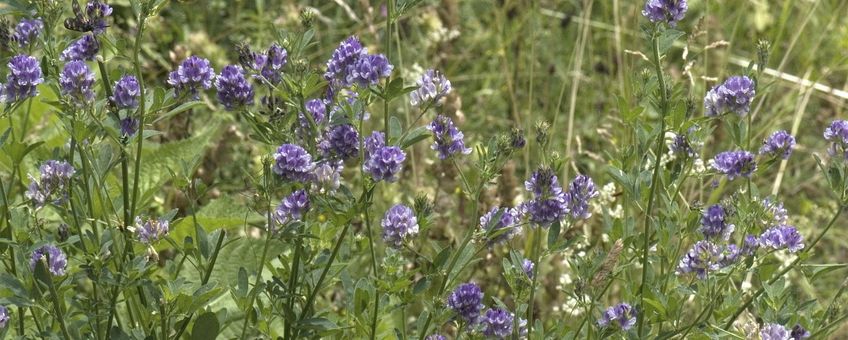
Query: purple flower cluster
(382, 162)
(326, 176)
(24, 77)
(435, 337)
(750, 245)
(151, 230)
(4, 317)
(399, 224)
(779, 144)
(292, 208)
(735, 163)
(714, 223)
(773, 331)
(56, 259)
(669, 11)
(27, 31)
(341, 141)
(580, 191)
(269, 65)
(467, 302)
(193, 74)
(318, 110)
(432, 86)
(53, 184)
(527, 267)
(734, 95)
(96, 12)
(351, 64)
(77, 82)
(126, 93)
(315, 108)
(702, 258)
(84, 48)
(502, 229)
(448, 139)
(129, 126)
(837, 135)
(549, 202)
(234, 91)
(497, 323)
(799, 332)
(622, 315)
(782, 237)
(293, 163)
(778, 213)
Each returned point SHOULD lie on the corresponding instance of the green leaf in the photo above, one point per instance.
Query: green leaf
(667, 39)
(179, 109)
(7, 281)
(225, 212)
(553, 234)
(394, 128)
(318, 324)
(414, 136)
(206, 327)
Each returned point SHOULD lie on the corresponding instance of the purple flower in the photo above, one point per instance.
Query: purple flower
(151, 230)
(368, 70)
(129, 126)
(435, 337)
(27, 31)
(24, 77)
(53, 184)
(782, 237)
(681, 143)
(580, 191)
(77, 82)
(549, 204)
(798, 333)
(779, 144)
(837, 135)
(126, 93)
(774, 331)
(345, 55)
(750, 245)
(432, 86)
(501, 230)
(374, 142)
(270, 64)
(669, 11)
(317, 108)
(326, 175)
(735, 95)
(467, 302)
(527, 266)
(714, 223)
(729, 255)
(234, 91)
(4, 317)
(497, 323)
(622, 315)
(448, 139)
(97, 11)
(293, 163)
(735, 163)
(385, 163)
(399, 224)
(341, 141)
(56, 259)
(779, 215)
(292, 208)
(84, 48)
(702, 258)
(193, 73)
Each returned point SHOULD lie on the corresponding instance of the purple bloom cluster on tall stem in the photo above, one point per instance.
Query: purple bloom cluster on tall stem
(735, 164)
(129, 126)
(96, 12)
(23, 79)
(293, 163)
(27, 31)
(782, 237)
(466, 301)
(193, 74)
(549, 202)
(341, 141)
(399, 224)
(432, 87)
(234, 91)
(351, 64)
(84, 48)
(668, 11)
(382, 162)
(497, 323)
(502, 229)
(4, 317)
(269, 65)
(435, 337)
(56, 259)
(292, 208)
(527, 267)
(151, 230)
(126, 93)
(448, 139)
(580, 191)
(734, 95)
(53, 185)
(326, 176)
(621, 315)
(77, 82)
(837, 135)
(714, 223)
(779, 144)
(702, 258)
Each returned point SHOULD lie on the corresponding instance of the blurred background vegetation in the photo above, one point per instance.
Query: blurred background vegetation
(514, 63)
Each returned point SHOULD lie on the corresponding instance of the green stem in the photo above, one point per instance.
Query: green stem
(389, 13)
(373, 268)
(264, 257)
(658, 151)
(57, 307)
(537, 249)
(205, 279)
(311, 299)
(141, 103)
